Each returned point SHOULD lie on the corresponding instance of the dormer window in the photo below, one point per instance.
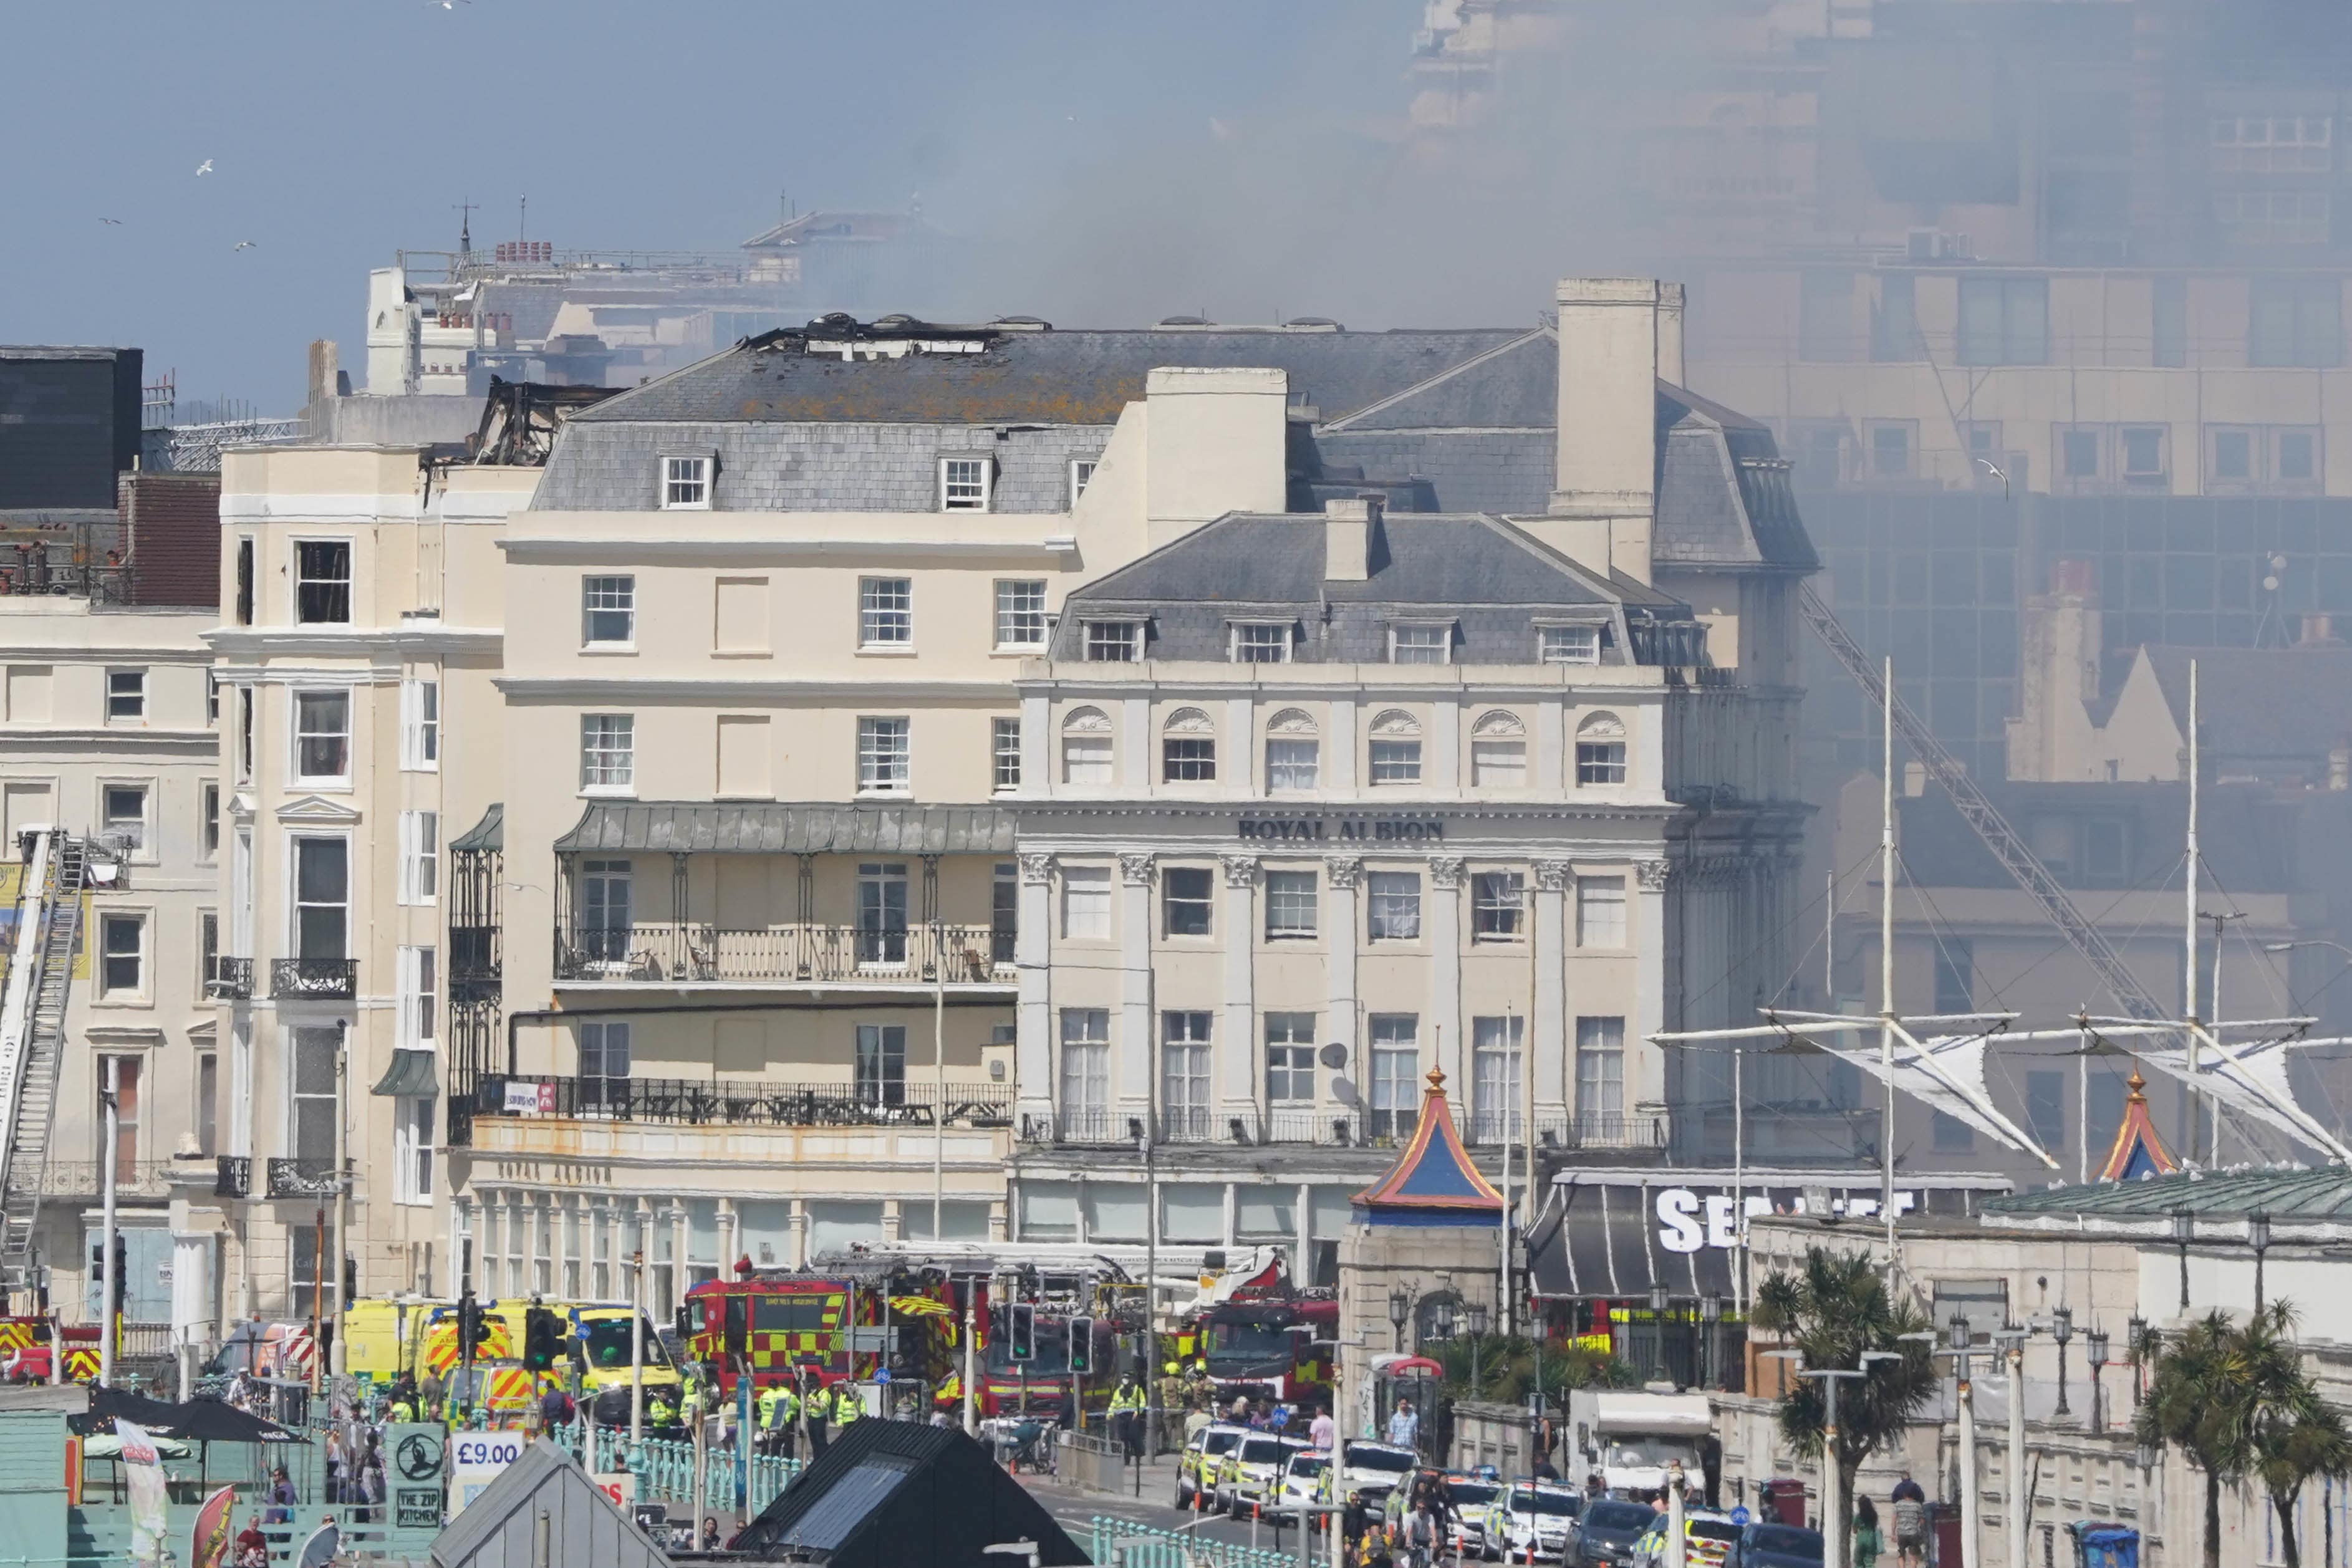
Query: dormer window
(686, 484)
(963, 484)
(1261, 641)
(1568, 645)
(1427, 643)
(1114, 641)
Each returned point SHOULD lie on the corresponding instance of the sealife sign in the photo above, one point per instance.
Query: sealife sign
(1345, 830)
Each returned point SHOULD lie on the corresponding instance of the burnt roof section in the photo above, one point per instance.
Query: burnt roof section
(1006, 375)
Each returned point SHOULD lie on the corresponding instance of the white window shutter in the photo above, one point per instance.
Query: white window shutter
(408, 857)
(409, 740)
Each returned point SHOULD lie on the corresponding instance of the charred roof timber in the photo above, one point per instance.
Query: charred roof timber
(520, 420)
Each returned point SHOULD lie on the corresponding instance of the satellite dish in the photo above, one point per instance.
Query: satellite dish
(1333, 1055)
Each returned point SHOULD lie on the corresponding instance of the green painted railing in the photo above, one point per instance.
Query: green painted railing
(669, 1473)
(1117, 1541)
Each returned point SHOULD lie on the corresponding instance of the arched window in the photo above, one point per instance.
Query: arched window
(1085, 747)
(1188, 748)
(1498, 751)
(1601, 750)
(1395, 749)
(1293, 755)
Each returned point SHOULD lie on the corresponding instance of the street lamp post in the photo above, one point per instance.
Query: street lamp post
(1475, 1318)
(2095, 1342)
(1400, 1308)
(1961, 1350)
(2136, 1346)
(2019, 1508)
(1659, 1303)
(1834, 1541)
(2061, 1329)
(2184, 1231)
(2258, 1236)
(1710, 1313)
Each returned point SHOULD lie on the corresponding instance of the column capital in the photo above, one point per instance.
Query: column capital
(1446, 871)
(1552, 876)
(1652, 875)
(1241, 871)
(1135, 870)
(1037, 869)
(1343, 870)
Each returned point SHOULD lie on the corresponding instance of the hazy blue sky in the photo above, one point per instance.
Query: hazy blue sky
(1129, 160)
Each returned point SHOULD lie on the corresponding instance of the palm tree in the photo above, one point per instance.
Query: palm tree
(2296, 1435)
(1832, 1310)
(2198, 1402)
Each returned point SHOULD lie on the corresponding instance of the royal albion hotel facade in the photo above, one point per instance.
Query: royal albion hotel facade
(958, 783)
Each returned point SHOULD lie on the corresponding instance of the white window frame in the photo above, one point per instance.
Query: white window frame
(1013, 611)
(1314, 906)
(871, 755)
(1393, 906)
(951, 500)
(1290, 763)
(143, 853)
(595, 584)
(879, 616)
(143, 991)
(1592, 894)
(685, 482)
(208, 822)
(134, 694)
(1490, 757)
(413, 1151)
(420, 857)
(420, 725)
(1082, 474)
(1444, 629)
(295, 731)
(290, 880)
(416, 1024)
(1092, 884)
(1004, 755)
(1553, 644)
(295, 579)
(606, 732)
(207, 972)
(1238, 634)
(1131, 634)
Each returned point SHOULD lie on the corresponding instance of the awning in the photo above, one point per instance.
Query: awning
(702, 828)
(490, 834)
(410, 1076)
(1612, 1235)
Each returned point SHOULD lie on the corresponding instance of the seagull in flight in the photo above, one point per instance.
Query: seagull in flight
(241, 245)
(116, 222)
(206, 167)
(1987, 465)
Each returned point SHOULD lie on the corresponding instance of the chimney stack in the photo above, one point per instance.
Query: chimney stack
(1347, 529)
(1618, 336)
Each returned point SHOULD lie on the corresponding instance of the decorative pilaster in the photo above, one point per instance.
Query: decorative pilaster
(1132, 1084)
(1549, 1038)
(1236, 1080)
(1442, 923)
(1032, 943)
(1645, 1074)
(1342, 874)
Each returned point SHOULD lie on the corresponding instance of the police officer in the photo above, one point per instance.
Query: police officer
(769, 1407)
(818, 1402)
(660, 1411)
(1127, 1417)
(846, 1407)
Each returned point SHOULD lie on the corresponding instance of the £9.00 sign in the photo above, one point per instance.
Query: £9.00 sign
(485, 1450)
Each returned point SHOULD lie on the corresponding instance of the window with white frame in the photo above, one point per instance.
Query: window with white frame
(884, 756)
(1260, 642)
(1290, 906)
(322, 898)
(1086, 748)
(1422, 644)
(322, 738)
(963, 484)
(419, 978)
(1601, 750)
(604, 920)
(1086, 1061)
(1085, 903)
(420, 856)
(1187, 899)
(208, 828)
(1293, 758)
(1395, 1062)
(1005, 753)
(608, 751)
(313, 1082)
(1184, 1074)
(1496, 1080)
(604, 1065)
(122, 810)
(420, 725)
(1599, 1073)
(413, 1151)
(1291, 1057)
(1188, 749)
(212, 697)
(686, 484)
(208, 951)
(608, 611)
(122, 956)
(126, 696)
(878, 1067)
(1569, 644)
(1498, 906)
(1498, 752)
(1600, 912)
(1082, 474)
(1392, 906)
(322, 582)
(886, 613)
(1020, 613)
(1395, 749)
(1114, 641)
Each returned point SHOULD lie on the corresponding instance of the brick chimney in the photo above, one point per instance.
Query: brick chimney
(1618, 337)
(1349, 526)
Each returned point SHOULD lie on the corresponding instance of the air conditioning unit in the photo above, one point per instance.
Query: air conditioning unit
(1936, 245)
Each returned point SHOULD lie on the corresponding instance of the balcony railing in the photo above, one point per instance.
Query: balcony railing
(1340, 1127)
(236, 1177)
(86, 1179)
(314, 979)
(698, 1102)
(232, 980)
(302, 1179)
(676, 952)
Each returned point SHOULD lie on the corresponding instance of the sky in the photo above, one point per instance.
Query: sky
(1115, 161)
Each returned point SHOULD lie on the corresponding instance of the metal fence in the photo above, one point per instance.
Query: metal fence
(1116, 1544)
(672, 951)
(669, 1473)
(881, 1102)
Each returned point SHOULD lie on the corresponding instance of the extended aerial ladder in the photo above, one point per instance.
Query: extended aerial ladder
(32, 1033)
(1982, 815)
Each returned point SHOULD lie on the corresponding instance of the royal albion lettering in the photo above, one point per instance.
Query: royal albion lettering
(1390, 829)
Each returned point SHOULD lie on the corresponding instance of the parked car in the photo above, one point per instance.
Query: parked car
(1607, 1532)
(1369, 1470)
(1196, 1466)
(1776, 1546)
(1532, 1519)
(1302, 1475)
(1708, 1540)
(1252, 1471)
(1467, 1496)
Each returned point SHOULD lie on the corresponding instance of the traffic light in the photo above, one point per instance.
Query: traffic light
(1082, 1345)
(351, 1278)
(118, 1277)
(469, 1325)
(542, 1342)
(1021, 1330)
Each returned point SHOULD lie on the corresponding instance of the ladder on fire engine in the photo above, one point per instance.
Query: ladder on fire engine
(2022, 863)
(32, 1034)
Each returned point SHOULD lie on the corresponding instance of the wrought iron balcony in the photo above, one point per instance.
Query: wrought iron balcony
(751, 1104)
(231, 981)
(235, 1178)
(685, 952)
(314, 979)
(302, 1179)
